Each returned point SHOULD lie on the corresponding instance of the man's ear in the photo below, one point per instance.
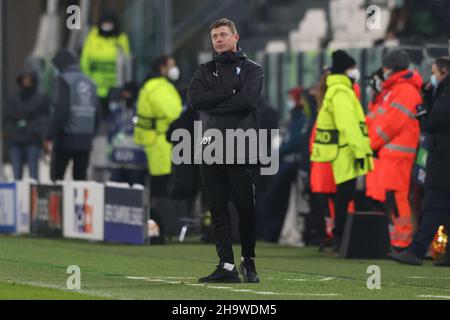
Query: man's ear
(237, 37)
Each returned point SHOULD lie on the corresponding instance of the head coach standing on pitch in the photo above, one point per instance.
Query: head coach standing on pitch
(225, 91)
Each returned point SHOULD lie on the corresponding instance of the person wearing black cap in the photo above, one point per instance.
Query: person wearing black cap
(75, 118)
(341, 136)
(394, 134)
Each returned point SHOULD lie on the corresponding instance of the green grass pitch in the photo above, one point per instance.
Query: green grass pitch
(32, 268)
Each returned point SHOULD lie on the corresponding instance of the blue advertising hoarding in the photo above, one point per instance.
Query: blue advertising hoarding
(8, 208)
(124, 215)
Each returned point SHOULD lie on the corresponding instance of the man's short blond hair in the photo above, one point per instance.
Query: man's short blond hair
(224, 22)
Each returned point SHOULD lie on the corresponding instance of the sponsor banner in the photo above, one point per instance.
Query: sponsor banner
(83, 210)
(46, 207)
(8, 208)
(124, 214)
(23, 207)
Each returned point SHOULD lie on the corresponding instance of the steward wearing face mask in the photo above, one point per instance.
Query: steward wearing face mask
(341, 137)
(100, 52)
(374, 187)
(159, 104)
(394, 134)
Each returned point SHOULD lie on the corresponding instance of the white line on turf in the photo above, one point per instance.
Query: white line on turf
(302, 280)
(237, 290)
(313, 294)
(327, 279)
(296, 280)
(156, 277)
(431, 296)
(266, 293)
(420, 277)
(241, 290)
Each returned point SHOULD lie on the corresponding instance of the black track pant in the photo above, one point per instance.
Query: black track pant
(220, 184)
(60, 161)
(344, 195)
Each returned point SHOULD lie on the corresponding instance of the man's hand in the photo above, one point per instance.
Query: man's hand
(359, 164)
(421, 111)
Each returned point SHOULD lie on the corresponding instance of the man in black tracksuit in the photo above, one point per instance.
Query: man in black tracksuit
(435, 122)
(75, 119)
(226, 91)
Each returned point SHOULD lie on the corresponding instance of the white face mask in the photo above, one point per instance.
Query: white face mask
(290, 105)
(378, 85)
(387, 74)
(354, 74)
(107, 26)
(434, 81)
(174, 73)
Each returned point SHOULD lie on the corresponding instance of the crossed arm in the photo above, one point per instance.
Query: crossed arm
(227, 100)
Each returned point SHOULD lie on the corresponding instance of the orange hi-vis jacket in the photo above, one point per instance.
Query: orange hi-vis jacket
(374, 185)
(394, 132)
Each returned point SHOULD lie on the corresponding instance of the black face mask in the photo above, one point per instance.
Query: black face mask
(129, 102)
(27, 92)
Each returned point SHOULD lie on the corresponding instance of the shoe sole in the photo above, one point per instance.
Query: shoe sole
(404, 262)
(222, 281)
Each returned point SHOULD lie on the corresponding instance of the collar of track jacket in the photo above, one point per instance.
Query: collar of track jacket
(229, 56)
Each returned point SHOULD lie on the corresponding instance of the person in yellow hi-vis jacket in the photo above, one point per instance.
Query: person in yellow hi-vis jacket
(159, 104)
(100, 53)
(342, 136)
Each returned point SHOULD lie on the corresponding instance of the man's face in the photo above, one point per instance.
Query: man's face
(438, 74)
(224, 40)
(27, 81)
(165, 69)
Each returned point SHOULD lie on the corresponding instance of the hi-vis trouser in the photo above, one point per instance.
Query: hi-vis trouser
(401, 230)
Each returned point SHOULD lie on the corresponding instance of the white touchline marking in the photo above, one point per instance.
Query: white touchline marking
(240, 290)
(174, 277)
(266, 293)
(327, 279)
(89, 292)
(155, 277)
(195, 284)
(431, 296)
(302, 280)
(295, 280)
(420, 277)
(315, 294)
